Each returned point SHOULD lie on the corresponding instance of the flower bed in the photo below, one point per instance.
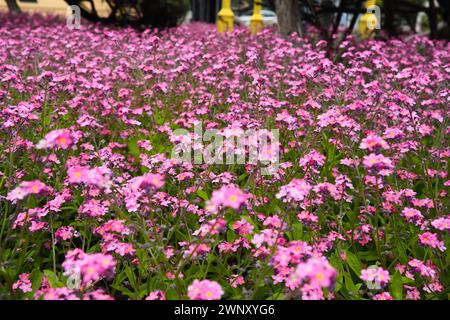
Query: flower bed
(94, 205)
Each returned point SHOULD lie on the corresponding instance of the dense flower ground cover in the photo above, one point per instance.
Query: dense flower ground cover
(93, 206)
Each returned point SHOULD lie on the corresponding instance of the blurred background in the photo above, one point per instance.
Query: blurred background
(48, 6)
(328, 17)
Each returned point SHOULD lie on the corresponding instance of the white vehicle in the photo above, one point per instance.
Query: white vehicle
(269, 18)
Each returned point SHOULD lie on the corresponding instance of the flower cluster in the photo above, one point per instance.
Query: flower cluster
(205, 290)
(94, 204)
(90, 267)
(227, 197)
(27, 188)
(375, 277)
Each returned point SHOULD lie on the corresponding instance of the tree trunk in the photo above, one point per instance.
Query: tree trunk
(432, 18)
(288, 15)
(445, 5)
(12, 6)
(389, 21)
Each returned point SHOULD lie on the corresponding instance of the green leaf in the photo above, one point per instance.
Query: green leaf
(242, 177)
(261, 292)
(36, 279)
(396, 286)
(53, 279)
(171, 294)
(339, 282)
(277, 296)
(124, 291)
(159, 117)
(368, 255)
(401, 253)
(131, 276)
(334, 261)
(354, 263)
(133, 148)
(350, 286)
(297, 231)
(231, 235)
(202, 194)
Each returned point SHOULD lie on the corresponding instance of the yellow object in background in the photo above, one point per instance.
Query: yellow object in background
(225, 17)
(256, 20)
(368, 21)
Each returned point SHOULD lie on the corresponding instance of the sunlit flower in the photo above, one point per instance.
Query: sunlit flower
(205, 290)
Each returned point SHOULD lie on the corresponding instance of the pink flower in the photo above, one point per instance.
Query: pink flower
(373, 143)
(376, 277)
(214, 226)
(393, 133)
(227, 196)
(377, 163)
(436, 286)
(311, 292)
(236, 280)
(205, 290)
(431, 240)
(307, 217)
(197, 250)
(26, 188)
(61, 138)
(317, 271)
(152, 180)
(412, 293)
(422, 268)
(145, 144)
(312, 160)
(296, 190)
(65, 233)
(442, 223)
(93, 208)
(37, 225)
(121, 248)
(60, 294)
(98, 176)
(348, 162)
(412, 215)
(147, 181)
(110, 229)
(89, 267)
(282, 257)
(267, 235)
(23, 283)
(243, 227)
(98, 294)
(156, 295)
(383, 296)
(77, 174)
(327, 188)
(258, 240)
